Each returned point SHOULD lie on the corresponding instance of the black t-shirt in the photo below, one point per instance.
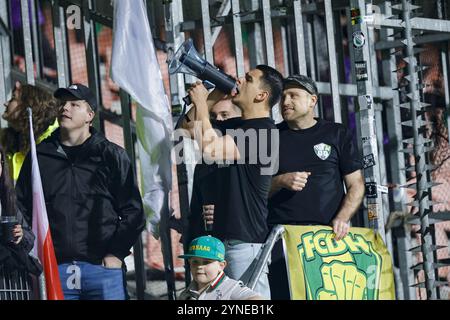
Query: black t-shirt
(72, 151)
(329, 153)
(243, 186)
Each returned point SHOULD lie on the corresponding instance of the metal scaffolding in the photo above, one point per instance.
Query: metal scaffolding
(311, 36)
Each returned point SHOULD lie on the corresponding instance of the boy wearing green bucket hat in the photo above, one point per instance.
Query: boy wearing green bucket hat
(207, 260)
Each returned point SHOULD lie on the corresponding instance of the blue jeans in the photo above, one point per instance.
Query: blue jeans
(86, 281)
(239, 256)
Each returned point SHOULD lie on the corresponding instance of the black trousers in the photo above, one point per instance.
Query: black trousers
(278, 278)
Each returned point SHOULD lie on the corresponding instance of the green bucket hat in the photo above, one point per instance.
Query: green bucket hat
(206, 247)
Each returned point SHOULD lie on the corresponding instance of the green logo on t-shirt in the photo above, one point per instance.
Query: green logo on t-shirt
(322, 150)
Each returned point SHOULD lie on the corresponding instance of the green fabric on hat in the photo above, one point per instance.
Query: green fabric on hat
(206, 247)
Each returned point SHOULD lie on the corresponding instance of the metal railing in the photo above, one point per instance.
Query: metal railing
(15, 285)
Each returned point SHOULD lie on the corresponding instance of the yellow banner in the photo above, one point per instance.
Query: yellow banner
(357, 267)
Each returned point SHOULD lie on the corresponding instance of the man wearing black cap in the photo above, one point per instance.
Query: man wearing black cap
(93, 203)
(317, 158)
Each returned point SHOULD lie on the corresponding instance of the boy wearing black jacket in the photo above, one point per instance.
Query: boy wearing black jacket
(93, 203)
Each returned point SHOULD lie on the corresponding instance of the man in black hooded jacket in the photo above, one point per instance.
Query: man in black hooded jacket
(93, 203)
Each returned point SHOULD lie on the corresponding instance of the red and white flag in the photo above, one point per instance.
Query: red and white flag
(43, 244)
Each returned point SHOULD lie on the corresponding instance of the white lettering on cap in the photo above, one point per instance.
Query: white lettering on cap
(74, 86)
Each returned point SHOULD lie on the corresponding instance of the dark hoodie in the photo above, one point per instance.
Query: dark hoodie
(93, 203)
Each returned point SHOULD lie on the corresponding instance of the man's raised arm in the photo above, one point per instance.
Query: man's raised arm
(213, 146)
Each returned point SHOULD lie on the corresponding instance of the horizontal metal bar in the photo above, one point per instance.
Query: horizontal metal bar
(250, 17)
(384, 93)
(43, 84)
(430, 38)
(99, 18)
(434, 217)
(430, 24)
(425, 24)
(69, 2)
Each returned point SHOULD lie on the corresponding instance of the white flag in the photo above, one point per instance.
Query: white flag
(136, 70)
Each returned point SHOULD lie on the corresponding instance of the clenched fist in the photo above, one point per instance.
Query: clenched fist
(342, 281)
(294, 181)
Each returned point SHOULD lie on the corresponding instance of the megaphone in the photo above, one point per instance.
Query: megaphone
(187, 60)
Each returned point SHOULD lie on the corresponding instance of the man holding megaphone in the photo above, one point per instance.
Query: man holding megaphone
(245, 150)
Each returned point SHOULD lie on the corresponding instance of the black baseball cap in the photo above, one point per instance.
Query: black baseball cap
(77, 92)
(303, 82)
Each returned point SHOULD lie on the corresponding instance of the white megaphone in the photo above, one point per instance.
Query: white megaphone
(187, 60)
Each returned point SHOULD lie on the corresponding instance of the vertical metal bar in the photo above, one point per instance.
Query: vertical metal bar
(312, 60)
(42, 287)
(27, 41)
(235, 7)
(151, 13)
(255, 39)
(300, 38)
(173, 15)
(268, 33)
(379, 130)
(420, 164)
(284, 43)
(224, 10)
(10, 294)
(292, 47)
(276, 113)
(27, 287)
(62, 63)
(397, 165)
(20, 286)
(311, 46)
(90, 39)
(349, 31)
(270, 52)
(207, 31)
(65, 47)
(2, 277)
(340, 56)
(334, 79)
(16, 288)
(34, 31)
(138, 250)
(367, 119)
(445, 60)
(5, 61)
(4, 285)
(21, 282)
(360, 219)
